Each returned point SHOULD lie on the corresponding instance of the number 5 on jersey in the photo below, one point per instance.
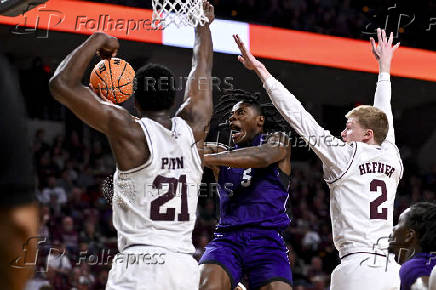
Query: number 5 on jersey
(170, 213)
(246, 178)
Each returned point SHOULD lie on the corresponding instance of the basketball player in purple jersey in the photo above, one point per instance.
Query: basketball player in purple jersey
(414, 243)
(254, 184)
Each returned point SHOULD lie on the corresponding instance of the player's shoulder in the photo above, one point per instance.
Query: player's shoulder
(420, 264)
(386, 147)
(389, 145)
(123, 124)
(391, 150)
(182, 127)
(411, 270)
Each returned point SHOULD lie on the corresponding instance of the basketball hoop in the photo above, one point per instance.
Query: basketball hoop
(179, 12)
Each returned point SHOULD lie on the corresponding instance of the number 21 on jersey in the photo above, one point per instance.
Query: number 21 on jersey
(170, 213)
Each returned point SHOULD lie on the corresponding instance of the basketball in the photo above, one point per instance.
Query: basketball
(113, 80)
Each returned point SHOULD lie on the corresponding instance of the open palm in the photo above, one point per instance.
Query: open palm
(247, 59)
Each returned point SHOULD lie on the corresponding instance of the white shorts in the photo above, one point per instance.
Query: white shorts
(153, 268)
(366, 272)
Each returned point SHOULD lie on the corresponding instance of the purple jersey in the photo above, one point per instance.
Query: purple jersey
(253, 196)
(420, 265)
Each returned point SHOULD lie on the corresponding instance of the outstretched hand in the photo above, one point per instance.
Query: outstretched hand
(383, 50)
(247, 59)
(209, 11)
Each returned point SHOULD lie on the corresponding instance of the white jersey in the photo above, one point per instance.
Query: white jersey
(363, 178)
(155, 204)
(362, 198)
(432, 281)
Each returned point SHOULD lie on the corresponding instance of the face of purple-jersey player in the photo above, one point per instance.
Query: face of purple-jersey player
(402, 239)
(246, 122)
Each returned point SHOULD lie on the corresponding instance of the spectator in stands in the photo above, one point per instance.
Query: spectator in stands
(58, 259)
(53, 193)
(67, 235)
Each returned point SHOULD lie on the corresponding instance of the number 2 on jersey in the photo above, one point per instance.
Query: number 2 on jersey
(374, 211)
(170, 214)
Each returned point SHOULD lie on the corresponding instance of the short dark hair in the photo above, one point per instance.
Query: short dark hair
(422, 219)
(154, 88)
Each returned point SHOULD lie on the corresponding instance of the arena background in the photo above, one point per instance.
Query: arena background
(72, 161)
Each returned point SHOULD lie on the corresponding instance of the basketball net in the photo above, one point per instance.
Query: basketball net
(179, 12)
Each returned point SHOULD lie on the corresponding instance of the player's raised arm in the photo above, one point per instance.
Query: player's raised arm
(334, 153)
(66, 87)
(276, 149)
(198, 106)
(383, 52)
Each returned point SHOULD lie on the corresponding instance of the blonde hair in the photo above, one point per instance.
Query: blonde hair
(370, 117)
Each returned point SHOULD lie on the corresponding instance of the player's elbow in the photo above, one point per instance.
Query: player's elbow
(57, 87)
(263, 160)
(270, 156)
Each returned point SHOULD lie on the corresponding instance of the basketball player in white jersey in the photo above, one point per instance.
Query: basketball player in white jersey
(159, 168)
(362, 172)
(432, 282)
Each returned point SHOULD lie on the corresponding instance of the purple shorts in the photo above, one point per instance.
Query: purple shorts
(260, 254)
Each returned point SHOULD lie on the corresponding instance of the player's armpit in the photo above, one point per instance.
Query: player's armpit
(197, 113)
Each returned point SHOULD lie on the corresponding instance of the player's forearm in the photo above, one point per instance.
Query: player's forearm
(262, 72)
(199, 86)
(384, 66)
(198, 107)
(203, 49)
(251, 157)
(382, 101)
(383, 92)
(291, 109)
(329, 149)
(70, 72)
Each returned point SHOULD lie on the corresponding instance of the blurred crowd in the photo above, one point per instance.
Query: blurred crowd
(79, 241)
(355, 19)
